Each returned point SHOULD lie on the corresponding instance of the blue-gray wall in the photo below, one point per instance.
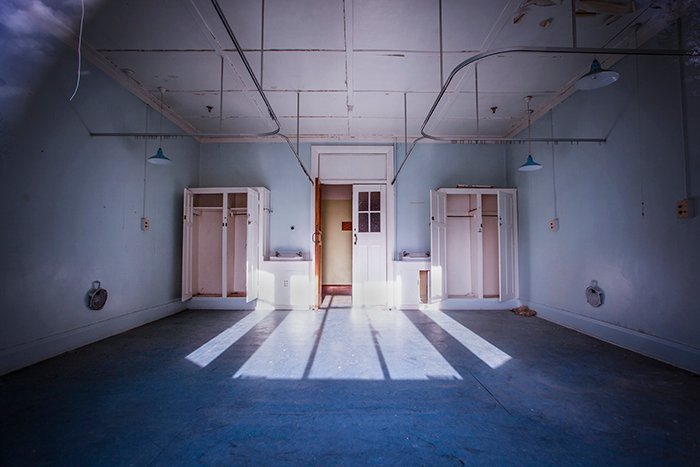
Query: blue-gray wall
(433, 166)
(273, 166)
(646, 264)
(71, 214)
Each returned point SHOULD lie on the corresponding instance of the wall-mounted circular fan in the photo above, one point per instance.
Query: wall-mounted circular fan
(594, 294)
(97, 296)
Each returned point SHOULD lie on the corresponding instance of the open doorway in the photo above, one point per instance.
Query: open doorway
(366, 170)
(336, 246)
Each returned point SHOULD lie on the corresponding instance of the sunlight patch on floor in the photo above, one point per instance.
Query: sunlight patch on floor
(347, 344)
(207, 353)
(285, 353)
(487, 352)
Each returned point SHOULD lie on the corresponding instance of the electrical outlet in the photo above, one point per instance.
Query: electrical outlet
(554, 224)
(145, 224)
(685, 208)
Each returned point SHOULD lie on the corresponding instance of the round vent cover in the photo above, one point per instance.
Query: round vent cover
(594, 294)
(97, 297)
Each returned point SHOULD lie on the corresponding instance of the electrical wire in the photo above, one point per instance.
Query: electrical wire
(80, 46)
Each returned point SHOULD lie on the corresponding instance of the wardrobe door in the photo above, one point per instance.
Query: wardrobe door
(507, 246)
(253, 252)
(187, 246)
(438, 244)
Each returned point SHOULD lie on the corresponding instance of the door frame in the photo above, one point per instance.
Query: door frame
(381, 174)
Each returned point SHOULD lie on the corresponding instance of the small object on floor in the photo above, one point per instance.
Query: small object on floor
(524, 310)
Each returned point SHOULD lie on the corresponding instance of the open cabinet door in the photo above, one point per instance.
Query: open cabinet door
(318, 247)
(506, 246)
(438, 242)
(187, 245)
(252, 247)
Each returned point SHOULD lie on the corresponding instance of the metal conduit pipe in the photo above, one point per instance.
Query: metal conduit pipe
(546, 50)
(227, 26)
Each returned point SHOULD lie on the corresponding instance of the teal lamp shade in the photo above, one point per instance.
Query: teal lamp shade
(530, 165)
(159, 158)
(596, 78)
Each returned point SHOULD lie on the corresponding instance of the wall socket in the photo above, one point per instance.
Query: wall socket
(554, 224)
(685, 208)
(145, 224)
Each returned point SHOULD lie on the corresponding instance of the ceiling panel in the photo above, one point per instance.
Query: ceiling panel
(301, 71)
(191, 104)
(244, 17)
(234, 126)
(463, 105)
(390, 104)
(315, 126)
(528, 30)
(396, 25)
(236, 76)
(320, 104)
(396, 72)
(172, 70)
(385, 126)
(144, 25)
(378, 104)
(311, 104)
(531, 73)
(304, 24)
(466, 25)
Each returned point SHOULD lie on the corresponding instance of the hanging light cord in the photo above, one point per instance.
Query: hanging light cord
(529, 130)
(80, 46)
(160, 121)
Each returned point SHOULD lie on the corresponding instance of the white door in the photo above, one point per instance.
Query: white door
(187, 245)
(369, 258)
(252, 247)
(506, 245)
(438, 243)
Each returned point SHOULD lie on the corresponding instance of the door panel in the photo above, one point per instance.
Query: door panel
(253, 252)
(187, 245)
(506, 245)
(369, 255)
(318, 246)
(438, 243)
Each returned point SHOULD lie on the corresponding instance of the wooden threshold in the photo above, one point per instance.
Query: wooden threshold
(336, 289)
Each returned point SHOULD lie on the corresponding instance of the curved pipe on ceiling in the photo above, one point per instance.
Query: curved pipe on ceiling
(259, 88)
(513, 50)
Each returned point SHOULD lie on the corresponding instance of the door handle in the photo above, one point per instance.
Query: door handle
(313, 237)
(355, 239)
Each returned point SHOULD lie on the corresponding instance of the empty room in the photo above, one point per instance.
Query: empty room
(350, 232)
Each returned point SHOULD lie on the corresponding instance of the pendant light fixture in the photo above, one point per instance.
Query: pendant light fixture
(159, 158)
(597, 78)
(529, 165)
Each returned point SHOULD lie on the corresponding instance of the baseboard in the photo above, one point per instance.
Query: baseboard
(25, 354)
(477, 304)
(667, 351)
(219, 303)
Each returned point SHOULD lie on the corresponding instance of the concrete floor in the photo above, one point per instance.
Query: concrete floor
(346, 387)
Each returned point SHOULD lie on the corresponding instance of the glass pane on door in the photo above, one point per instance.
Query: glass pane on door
(375, 201)
(363, 204)
(363, 224)
(375, 222)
